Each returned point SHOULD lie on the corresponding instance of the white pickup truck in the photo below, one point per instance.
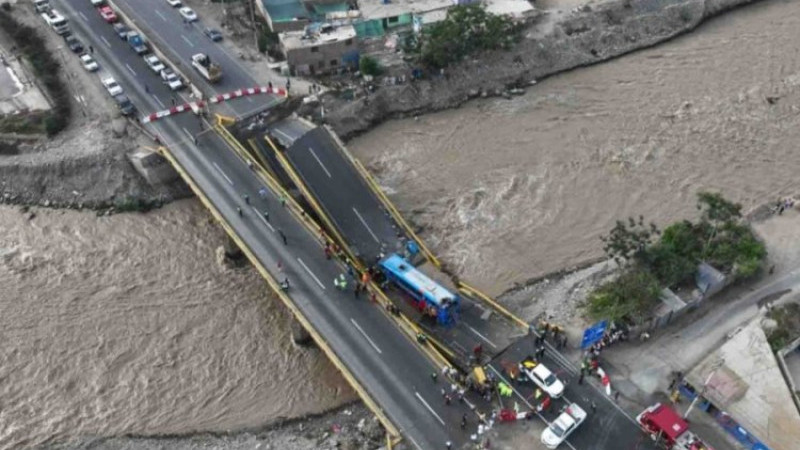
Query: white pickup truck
(210, 71)
(563, 426)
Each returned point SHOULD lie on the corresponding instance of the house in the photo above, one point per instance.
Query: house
(320, 49)
(284, 15)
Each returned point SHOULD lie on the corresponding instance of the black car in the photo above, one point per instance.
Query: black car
(213, 34)
(73, 43)
(125, 105)
(121, 30)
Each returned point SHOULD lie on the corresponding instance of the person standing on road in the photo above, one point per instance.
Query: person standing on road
(239, 210)
(464, 421)
(91, 49)
(580, 378)
(266, 215)
(247, 199)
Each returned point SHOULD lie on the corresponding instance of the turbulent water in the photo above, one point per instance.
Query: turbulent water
(507, 190)
(127, 324)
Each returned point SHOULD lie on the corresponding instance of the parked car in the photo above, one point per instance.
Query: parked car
(107, 14)
(122, 30)
(124, 104)
(188, 14)
(97, 2)
(154, 63)
(89, 63)
(111, 86)
(174, 3)
(213, 34)
(171, 79)
(73, 43)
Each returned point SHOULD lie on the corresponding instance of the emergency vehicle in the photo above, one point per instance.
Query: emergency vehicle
(668, 429)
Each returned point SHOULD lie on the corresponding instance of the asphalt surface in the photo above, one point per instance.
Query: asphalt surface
(386, 363)
(344, 196)
(607, 426)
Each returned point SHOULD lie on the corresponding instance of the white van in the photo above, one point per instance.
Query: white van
(56, 21)
(41, 5)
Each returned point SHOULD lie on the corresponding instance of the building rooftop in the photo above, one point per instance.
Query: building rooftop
(513, 8)
(285, 10)
(377, 9)
(316, 35)
(749, 386)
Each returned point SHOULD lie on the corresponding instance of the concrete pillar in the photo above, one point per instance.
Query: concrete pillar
(300, 336)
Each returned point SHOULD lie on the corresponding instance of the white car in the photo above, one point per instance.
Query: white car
(154, 63)
(89, 63)
(112, 86)
(188, 14)
(174, 3)
(97, 2)
(170, 79)
(559, 429)
(542, 377)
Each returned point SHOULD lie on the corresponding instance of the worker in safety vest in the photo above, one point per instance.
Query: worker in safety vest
(340, 282)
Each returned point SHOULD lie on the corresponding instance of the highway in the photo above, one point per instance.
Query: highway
(382, 359)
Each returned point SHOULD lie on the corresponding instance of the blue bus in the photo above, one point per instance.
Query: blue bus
(429, 296)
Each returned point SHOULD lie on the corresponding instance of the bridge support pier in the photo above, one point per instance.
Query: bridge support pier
(300, 336)
(232, 251)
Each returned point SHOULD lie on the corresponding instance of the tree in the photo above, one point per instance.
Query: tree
(633, 295)
(716, 208)
(629, 240)
(369, 66)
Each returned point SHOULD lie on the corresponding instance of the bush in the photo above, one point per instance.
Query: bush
(369, 66)
(45, 67)
(631, 296)
(466, 30)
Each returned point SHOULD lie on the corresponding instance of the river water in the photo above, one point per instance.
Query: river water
(127, 324)
(509, 190)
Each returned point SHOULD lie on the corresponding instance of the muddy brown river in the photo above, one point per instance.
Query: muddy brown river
(509, 190)
(127, 324)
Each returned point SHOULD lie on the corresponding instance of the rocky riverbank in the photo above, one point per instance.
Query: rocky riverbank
(555, 42)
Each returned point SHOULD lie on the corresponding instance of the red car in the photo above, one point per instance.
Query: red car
(107, 14)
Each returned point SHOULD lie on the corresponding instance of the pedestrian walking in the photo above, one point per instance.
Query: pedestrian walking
(174, 103)
(266, 215)
(91, 49)
(580, 377)
(444, 392)
(464, 421)
(282, 199)
(447, 399)
(594, 407)
(147, 88)
(247, 199)
(434, 376)
(283, 236)
(616, 396)
(449, 445)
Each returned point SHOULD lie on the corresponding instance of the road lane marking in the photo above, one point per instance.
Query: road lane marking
(187, 41)
(374, 346)
(158, 13)
(364, 222)
(319, 161)
(481, 336)
(223, 173)
(311, 273)
(429, 408)
(83, 16)
(160, 103)
(105, 41)
(130, 69)
(263, 219)
(289, 138)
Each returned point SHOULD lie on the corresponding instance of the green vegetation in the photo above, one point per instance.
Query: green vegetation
(466, 30)
(787, 318)
(670, 257)
(135, 204)
(369, 66)
(46, 68)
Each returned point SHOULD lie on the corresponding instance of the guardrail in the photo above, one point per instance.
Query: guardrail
(275, 286)
(469, 290)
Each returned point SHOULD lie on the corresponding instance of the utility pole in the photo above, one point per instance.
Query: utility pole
(716, 367)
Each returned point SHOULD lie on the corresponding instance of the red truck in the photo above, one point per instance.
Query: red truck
(668, 429)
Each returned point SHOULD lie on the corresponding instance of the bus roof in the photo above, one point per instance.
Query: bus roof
(403, 268)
